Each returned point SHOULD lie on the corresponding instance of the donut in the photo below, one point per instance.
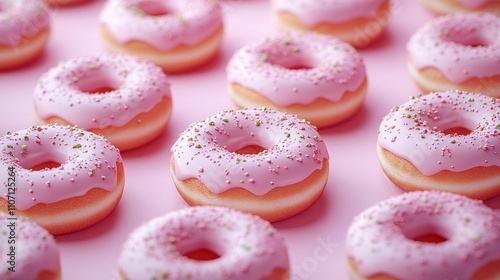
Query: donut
(257, 160)
(357, 22)
(24, 31)
(205, 242)
(442, 7)
(177, 35)
(445, 141)
(123, 98)
(63, 178)
(317, 77)
(425, 235)
(457, 52)
(28, 250)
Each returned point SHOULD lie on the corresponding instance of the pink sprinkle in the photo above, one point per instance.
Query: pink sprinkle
(103, 177)
(251, 180)
(201, 169)
(47, 183)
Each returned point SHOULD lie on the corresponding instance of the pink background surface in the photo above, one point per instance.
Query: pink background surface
(315, 237)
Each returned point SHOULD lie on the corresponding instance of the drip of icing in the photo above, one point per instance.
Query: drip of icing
(376, 239)
(36, 250)
(445, 44)
(332, 67)
(250, 247)
(21, 19)
(204, 151)
(138, 86)
(312, 13)
(413, 131)
(87, 161)
(191, 22)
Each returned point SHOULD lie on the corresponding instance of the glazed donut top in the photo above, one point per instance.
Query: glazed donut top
(249, 247)
(87, 161)
(66, 91)
(298, 68)
(206, 150)
(416, 131)
(162, 24)
(22, 19)
(461, 46)
(36, 250)
(312, 13)
(382, 238)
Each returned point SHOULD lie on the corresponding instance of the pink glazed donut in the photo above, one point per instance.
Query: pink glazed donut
(425, 235)
(445, 141)
(177, 35)
(24, 31)
(123, 98)
(28, 251)
(459, 51)
(455, 6)
(317, 77)
(357, 22)
(66, 179)
(256, 160)
(200, 243)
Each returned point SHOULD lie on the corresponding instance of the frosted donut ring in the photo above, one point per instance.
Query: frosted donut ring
(457, 52)
(260, 161)
(24, 31)
(445, 141)
(35, 255)
(199, 243)
(317, 77)
(123, 98)
(357, 22)
(177, 35)
(442, 7)
(425, 235)
(66, 179)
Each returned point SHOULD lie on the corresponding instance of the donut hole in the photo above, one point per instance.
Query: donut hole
(470, 40)
(293, 62)
(457, 131)
(154, 8)
(453, 124)
(202, 254)
(97, 85)
(425, 230)
(201, 249)
(250, 150)
(44, 165)
(430, 238)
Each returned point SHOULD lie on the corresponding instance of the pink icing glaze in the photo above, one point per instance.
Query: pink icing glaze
(312, 13)
(267, 66)
(63, 90)
(205, 151)
(179, 22)
(22, 19)
(443, 43)
(413, 131)
(249, 247)
(380, 238)
(35, 249)
(87, 161)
